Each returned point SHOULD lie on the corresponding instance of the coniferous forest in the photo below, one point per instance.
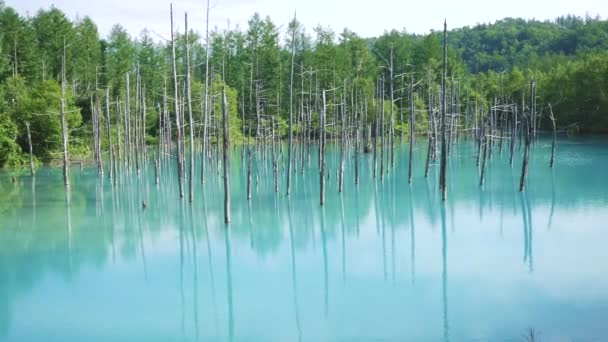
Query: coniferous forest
(59, 74)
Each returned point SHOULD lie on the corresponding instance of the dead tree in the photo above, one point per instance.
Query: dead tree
(484, 155)
(64, 125)
(342, 141)
(128, 121)
(249, 163)
(392, 118)
(226, 150)
(206, 110)
(513, 135)
(29, 142)
(382, 129)
(189, 101)
(412, 128)
(180, 168)
(442, 170)
(430, 133)
(108, 129)
(554, 136)
(275, 164)
(289, 152)
(322, 119)
(528, 136)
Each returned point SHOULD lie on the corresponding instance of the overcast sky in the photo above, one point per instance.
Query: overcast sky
(366, 18)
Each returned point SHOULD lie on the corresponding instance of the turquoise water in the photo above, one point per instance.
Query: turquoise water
(382, 261)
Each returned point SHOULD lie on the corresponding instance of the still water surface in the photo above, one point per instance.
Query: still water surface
(382, 261)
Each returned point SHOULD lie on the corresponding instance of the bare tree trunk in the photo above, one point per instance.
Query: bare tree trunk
(322, 150)
(226, 150)
(382, 129)
(29, 142)
(513, 135)
(528, 136)
(524, 168)
(128, 125)
(94, 131)
(376, 145)
(190, 118)
(412, 128)
(357, 147)
(484, 143)
(342, 143)
(156, 170)
(429, 153)
(98, 136)
(303, 120)
(137, 122)
(249, 163)
(275, 164)
(442, 170)
(206, 111)
(180, 175)
(144, 114)
(554, 137)
(118, 132)
(293, 52)
(64, 126)
(392, 123)
(108, 128)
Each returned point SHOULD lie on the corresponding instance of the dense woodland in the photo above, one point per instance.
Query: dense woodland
(104, 79)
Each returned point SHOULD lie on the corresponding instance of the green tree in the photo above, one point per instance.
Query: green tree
(120, 59)
(53, 30)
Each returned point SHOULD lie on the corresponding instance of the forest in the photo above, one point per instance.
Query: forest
(50, 64)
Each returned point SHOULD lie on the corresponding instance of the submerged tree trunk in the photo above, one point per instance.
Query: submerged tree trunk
(180, 168)
(290, 149)
(382, 130)
(412, 128)
(108, 128)
(524, 168)
(442, 170)
(528, 136)
(64, 126)
(513, 135)
(484, 156)
(357, 147)
(156, 170)
(249, 162)
(128, 122)
(275, 164)
(430, 133)
(342, 143)
(322, 119)
(190, 118)
(392, 118)
(226, 150)
(554, 137)
(206, 109)
(29, 142)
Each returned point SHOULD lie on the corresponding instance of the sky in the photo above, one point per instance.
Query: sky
(366, 18)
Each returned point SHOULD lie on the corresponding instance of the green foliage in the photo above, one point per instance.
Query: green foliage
(120, 58)
(38, 104)
(216, 107)
(489, 62)
(54, 32)
(578, 92)
(10, 151)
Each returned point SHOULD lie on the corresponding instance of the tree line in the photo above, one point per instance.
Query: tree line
(267, 73)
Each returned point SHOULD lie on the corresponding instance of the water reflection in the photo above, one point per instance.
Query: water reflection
(96, 244)
(444, 275)
(229, 297)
